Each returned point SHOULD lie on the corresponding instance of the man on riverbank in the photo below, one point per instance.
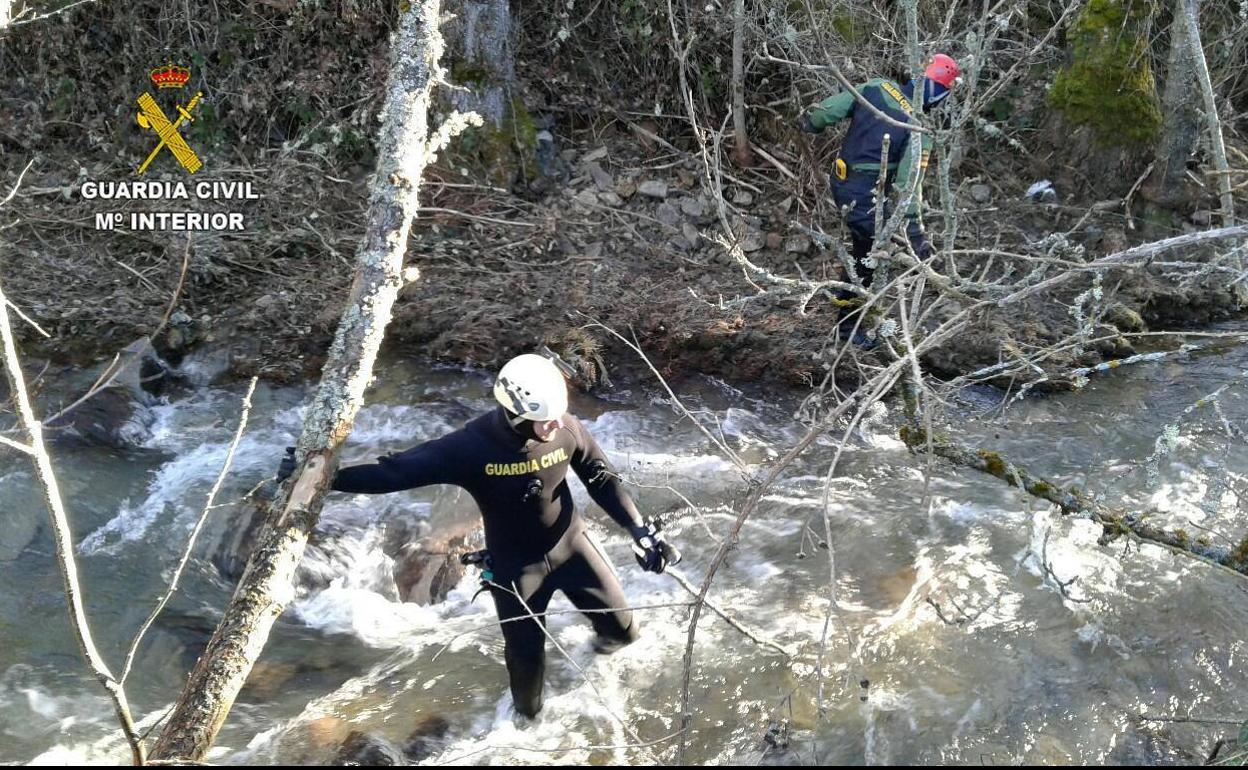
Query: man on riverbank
(514, 461)
(857, 169)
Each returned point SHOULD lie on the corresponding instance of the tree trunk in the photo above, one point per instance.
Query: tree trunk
(1180, 127)
(267, 582)
(741, 135)
(480, 59)
(1191, 18)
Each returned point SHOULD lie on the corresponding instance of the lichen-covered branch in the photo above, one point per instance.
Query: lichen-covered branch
(267, 582)
(1072, 501)
(61, 535)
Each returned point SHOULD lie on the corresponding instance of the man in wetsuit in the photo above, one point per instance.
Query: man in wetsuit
(514, 461)
(857, 169)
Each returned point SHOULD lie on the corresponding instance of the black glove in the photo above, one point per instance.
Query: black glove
(805, 124)
(653, 553)
(286, 466)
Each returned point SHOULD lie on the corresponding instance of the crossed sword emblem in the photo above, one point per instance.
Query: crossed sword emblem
(153, 117)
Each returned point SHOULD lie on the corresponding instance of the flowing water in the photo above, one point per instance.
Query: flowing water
(969, 650)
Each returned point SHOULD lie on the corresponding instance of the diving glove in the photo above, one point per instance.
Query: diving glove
(653, 553)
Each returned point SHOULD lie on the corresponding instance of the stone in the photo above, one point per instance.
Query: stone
(586, 198)
(692, 207)
(1124, 318)
(753, 241)
(610, 198)
(602, 178)
(797, 244)
(425, 572)
(653, 188)
(692, 237)
(668, 214)
(23, 516)
(120, 414)
(742, 198)
(427, 738)
(362, 749)
(981, 193)
(774, 241)
(598, 153)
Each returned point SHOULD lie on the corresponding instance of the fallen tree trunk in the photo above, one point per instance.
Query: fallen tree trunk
(1072, 501)
(266, 585)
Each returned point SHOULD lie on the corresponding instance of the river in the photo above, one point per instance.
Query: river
(1012, 669)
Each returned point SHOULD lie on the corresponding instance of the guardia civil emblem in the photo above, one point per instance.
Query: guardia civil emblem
(151, 116)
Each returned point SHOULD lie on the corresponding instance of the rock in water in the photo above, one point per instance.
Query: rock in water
(425, 572)
(23, 516)
(119, 414)
(427, 738)
(362, 749)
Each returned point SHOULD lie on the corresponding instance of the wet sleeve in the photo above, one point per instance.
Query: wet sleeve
(432, 462)
(595, 470)
(832, 110)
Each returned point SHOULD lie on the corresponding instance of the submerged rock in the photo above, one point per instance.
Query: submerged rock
(427, 738)
(118, 414)
(426, 571)
(362, 749)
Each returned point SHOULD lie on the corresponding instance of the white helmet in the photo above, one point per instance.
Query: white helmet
(531, 386)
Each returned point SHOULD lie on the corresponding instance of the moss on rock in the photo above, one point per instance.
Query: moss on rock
(1109, 86)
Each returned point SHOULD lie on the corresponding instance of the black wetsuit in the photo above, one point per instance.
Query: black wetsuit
(537, 540)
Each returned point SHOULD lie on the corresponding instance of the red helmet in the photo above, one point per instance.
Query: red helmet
(943, 70)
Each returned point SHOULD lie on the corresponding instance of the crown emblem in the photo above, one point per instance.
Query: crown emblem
(170, 76)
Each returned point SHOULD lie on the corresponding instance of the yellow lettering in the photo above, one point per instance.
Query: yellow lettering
(893, 92)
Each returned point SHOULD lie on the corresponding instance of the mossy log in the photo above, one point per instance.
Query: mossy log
(1072, 501)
